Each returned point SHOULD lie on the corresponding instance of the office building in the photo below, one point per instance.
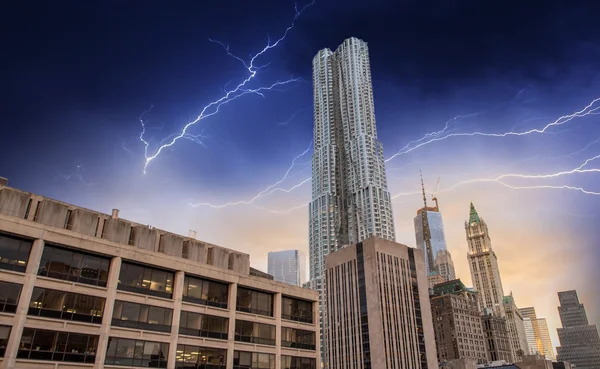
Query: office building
(378, 308)
(483, 264)
(430, 237)
(82, 289)
(457, 323)
(497, 337)
(287, 266)
(579, 340)
(444, 265)
(532, 348)
(543, 344)
(350, 198)
(514, 319)
(545, 339)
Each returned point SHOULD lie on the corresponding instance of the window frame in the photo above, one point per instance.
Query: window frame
(75, 268)
(203, 283)
(116, 359)
(299, 316)
(65, 314)
(141, 324)
(13, 264)
(185, 329)
(254, 300)
(180, 363)
(5, 307)
(54, 354)
(146, 276)
(257, 329)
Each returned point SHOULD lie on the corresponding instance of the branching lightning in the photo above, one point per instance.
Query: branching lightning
(230, 94)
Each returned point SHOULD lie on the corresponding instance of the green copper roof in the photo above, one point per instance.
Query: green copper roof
(507, 299)
(449, 287)
(473, 216)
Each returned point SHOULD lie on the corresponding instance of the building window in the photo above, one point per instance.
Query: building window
(205, 292)
(263, 334)
(41, 344)
(254, 302)
(253, 360)
(138, 316)
(4, 334)
(127, 352)
(66, 305)
(294, 362)
(14, 253)
(296, 310)
(74, 266)
(201, 325)
(9, 296)
(146, 280)
(297, 338)
(200, 357)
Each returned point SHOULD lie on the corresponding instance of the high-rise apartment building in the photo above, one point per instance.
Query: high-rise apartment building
(483, 263)
(378, 310)
(457, 323)
(579, 340)
(287, 266)
(82, 289)
(350, 198)
(543, 343)
(497, 337)
(430, 237)
(514, 319)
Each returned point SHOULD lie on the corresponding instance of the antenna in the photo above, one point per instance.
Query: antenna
(423, 188)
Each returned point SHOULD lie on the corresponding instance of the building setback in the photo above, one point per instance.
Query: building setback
(82, 289)
(497, 336)
(579, 340)
(378, 308)
(287, 266)
(350, 198)
(457, 323)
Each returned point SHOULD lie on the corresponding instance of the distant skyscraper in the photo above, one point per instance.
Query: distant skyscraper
(287, 266)
(429, 233)
(543, 344)
(445, 265)
(378, 310)
(530, 336)
(350, 198)
(579, 341)
(483, 263)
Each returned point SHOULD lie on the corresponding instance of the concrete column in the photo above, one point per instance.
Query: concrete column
(317, 323)
(177, 298)
(277, 315)
(33, 264)
(109, 305)
(231, 305)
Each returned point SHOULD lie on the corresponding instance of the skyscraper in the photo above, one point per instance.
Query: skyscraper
(350, 199)
(579, 341)
(378, 312)
(444, 265)
(287, 266)
(543, 344)
(516, 326)
(429, 233)
(545, 339)
(530, 335)
(484, 264)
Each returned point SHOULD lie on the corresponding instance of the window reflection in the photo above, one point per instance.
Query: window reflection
(297, 338)
(75, 266)
(205, 292)
(294, 362)
(128, 352)
(41, 344)
(296, 310)
(246, 331)
(147, 317)
(146, 280)
(9, 296)
(203, 325)
(254, 302)
(14, 253)
(4, 334)
(253, 360)
(66, 305)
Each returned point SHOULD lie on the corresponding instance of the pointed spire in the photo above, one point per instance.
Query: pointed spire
(473, 216)
(423, 188)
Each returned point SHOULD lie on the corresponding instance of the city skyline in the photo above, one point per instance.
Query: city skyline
(75, 93)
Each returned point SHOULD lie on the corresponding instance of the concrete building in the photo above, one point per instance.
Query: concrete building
(483, 264)
(430, 236)
(378, 308)
(82, 289)
(444, 265)
(434, 278)
(350, 198)
(497, 337)
(579, 340)
(287, 266)
(518, 338)
(535, 362)
(457, 323)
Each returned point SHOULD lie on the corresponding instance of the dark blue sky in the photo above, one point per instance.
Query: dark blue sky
(76, 76)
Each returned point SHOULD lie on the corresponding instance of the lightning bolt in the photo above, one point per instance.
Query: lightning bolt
(267, 191)
(589, 109)
(231, 94)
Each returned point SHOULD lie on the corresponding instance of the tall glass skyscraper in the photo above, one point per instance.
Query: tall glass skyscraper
(350, 198)
(287, 266)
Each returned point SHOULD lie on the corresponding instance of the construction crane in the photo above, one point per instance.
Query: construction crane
(434, 195)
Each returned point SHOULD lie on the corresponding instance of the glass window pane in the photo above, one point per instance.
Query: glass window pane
(131, 275)
(77, 343)
(125, 348)
(43, 340)
(130, 311)
(14, 252)
(27, 338)
(156, 315)
(118, 309)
